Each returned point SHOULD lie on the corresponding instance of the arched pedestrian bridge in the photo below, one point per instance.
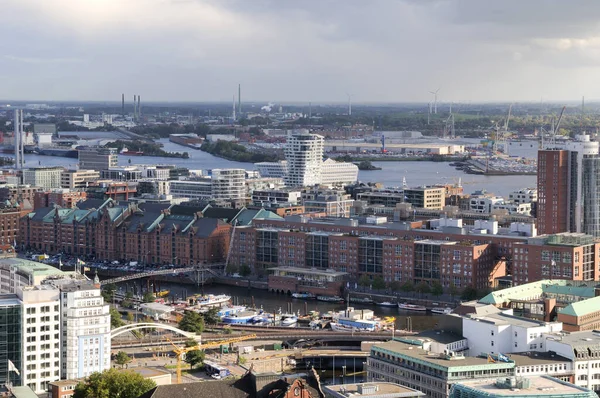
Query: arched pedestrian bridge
(150, 325)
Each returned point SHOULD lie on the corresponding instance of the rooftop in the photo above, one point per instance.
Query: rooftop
(31, 267)
(586, 339)
(417, 354)
(541, 386)
(150, 372)
(581, 308)
(536, 358)
(389, 390)
(506, 319)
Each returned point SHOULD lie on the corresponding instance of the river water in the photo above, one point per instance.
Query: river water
(392, 173)
(272, 302)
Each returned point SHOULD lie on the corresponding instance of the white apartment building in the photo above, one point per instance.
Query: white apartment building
(41, 336)
(484, 204)
(304, 155)
(85, 339)
(45, 177)
(514, 207)
(194, 190)
(523, 196)
(78, 179)
(505, 333)
(155, 172)
(272, 169)
(227, 184)
(338, 173)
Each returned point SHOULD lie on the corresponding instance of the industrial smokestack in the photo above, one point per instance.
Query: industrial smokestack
(233, 114)
(139, 107)
(134, 107)
(240, 100)
(16, 140)
(22, 140)
(123, 105)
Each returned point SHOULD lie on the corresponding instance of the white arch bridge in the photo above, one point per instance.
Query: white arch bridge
(198, 271)
(150, 325)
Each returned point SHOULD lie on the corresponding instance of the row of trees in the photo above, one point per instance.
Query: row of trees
(435, 289)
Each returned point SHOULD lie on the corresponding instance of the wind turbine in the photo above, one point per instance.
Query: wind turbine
(435, 93)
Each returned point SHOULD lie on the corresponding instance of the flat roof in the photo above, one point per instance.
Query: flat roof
(150, 372)
(588, 338)
(417, 353)
(9, 300)
(31, 267)
(311, 271)
(390, 390)
(536, 358)
(505, 319)
(540, 386)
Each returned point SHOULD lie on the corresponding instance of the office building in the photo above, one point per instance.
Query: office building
(304, 155)
(434, 374)
(78, 179)
(426, 197)
(338, 173)
(519, 387)
(41, 336)
(200, 190)
(11, 338)
(98, 158)
(108, 189)
(44, 177)
(123, 173)
(228, 184)
(58, 197)
(282, 196)
(568, 189)
(16, 273)
(371, 390)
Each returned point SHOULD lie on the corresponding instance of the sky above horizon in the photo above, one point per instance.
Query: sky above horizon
(310, 50)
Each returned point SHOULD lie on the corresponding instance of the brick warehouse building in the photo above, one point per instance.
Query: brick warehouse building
(108, 230)
(410, 252)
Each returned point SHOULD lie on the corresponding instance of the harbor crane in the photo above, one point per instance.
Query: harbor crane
(181, 351)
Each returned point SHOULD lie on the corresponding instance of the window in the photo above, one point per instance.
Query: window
(456, 255)
(492, 343)
(545, 255)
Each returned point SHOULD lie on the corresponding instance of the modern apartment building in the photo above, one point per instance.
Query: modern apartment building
(228, 184)
(304, 155)
(44, 177)
(194, 190)
(335, 173)
(426, 197)
(41, 330)
(78, 179)
(98, 158)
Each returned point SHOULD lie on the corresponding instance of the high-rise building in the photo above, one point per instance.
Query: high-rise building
(228, 184)
(11, 335)
(569, 187)
(41, 336)
(45, 177)
(98, 158)
(304, 155)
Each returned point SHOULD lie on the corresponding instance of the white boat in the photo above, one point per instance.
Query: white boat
(212, 300)
(341, 328)
(289, 320)
(330, 299)
(303, 295)
(386, 304)
(441, 310)
(411, 307)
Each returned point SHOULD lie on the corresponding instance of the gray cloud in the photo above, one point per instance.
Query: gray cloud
(314, 50)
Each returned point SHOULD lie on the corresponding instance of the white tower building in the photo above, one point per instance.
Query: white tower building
(304, 155)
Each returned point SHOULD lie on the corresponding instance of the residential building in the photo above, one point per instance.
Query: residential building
(304, 155)
(321, 281)
(262, 183)
(266, 196)
(58, 197)
(228, 184)
(335, 173)
(536, 363)
(98, 158)
(505, 333)
(331, 203)
(434, 374)
(484, 203)
(11, 338)
(9, 224)
(273, 169)
(122, 173)
(387, 198)
(194, 190)
(109, 189)
(41, 329)
(44, 177)
(62, 388)
(78, 179)
(512, 207)
(527, 195)
(371, 390)
(426, 197)
(538, 386)
(18, 193)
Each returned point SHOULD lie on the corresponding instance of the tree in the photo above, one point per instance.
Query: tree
(378, 283)
(148, 297)
(232, 269)
(115, 318)
(130, 317)
(192, 322)
(108, 292)
(364, 280)
(396, 286)
(245, 270)
(470, 293)
(437, 289)
(452, 290)
(408, 287)
(423, 288)
(211, 317)
(195, 357)
(122, 358)
(190, 343)
(113, 383)
(126, 303)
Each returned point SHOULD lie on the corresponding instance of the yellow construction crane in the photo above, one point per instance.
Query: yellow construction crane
(180, 351)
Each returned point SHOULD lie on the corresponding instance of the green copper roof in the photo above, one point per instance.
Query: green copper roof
(527, 291)
(579, 291)
(246, 216)
(581, 308)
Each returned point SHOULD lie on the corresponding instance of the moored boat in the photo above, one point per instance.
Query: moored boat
(331, 299)
(441, 310)
(361, 300)
(386, 304)
(303, 295)
(240, 318)
(411, 307)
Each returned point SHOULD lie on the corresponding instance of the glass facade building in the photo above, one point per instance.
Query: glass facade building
(10, 338)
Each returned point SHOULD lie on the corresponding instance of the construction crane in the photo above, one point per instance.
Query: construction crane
(181, 351)
(230, 245)
(555, 129)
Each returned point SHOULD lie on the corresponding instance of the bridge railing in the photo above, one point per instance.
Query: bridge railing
(148, 274)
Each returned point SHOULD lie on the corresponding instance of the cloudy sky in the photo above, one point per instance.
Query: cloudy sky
(309, 50)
